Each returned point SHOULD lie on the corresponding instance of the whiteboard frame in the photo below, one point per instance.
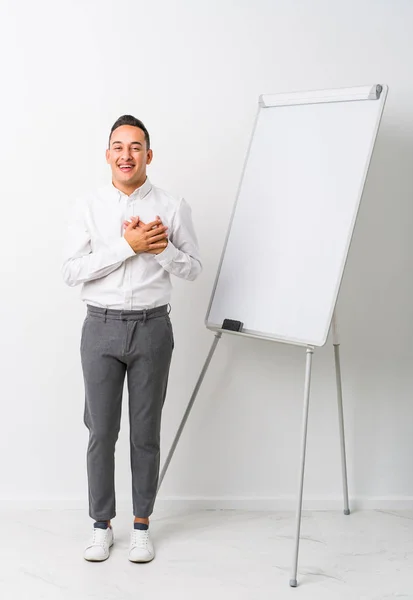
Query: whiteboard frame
(375, 93)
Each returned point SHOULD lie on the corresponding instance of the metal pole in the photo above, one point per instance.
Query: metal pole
(217, 337)
(310, 351)
(336, 343)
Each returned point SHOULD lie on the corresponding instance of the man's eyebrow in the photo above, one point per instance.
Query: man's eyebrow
(132, 143)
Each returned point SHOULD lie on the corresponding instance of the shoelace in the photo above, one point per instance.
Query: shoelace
(99, 537)
(140, 537)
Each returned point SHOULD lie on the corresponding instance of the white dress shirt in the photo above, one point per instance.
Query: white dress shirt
(98, 256)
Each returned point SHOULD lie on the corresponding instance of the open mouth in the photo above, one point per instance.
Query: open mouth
(126, 168)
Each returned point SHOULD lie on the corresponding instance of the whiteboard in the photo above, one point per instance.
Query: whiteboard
(292, 223)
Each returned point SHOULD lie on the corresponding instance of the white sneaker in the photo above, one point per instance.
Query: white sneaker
(141, 548)
(98, 548)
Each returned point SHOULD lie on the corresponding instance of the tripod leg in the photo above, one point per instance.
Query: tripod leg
(310, 351)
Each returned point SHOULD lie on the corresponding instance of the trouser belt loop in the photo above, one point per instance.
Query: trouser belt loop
(106, 310)
(145, 314)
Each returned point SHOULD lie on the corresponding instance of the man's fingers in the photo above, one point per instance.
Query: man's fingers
(158, 238)
(128, 225)
(134, 221)
(156, 231)
(153, 224)
(158, 245)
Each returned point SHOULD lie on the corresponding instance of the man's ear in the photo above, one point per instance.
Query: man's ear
(149, 157)
(107, 155)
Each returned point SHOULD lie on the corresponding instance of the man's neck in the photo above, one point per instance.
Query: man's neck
(128, 189)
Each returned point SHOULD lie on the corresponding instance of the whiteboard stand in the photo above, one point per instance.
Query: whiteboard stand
(305, 171)
(307, 384)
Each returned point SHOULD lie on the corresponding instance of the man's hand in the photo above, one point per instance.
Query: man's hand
(166, 238)
(151, 237)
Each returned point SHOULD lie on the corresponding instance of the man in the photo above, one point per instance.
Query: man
(124, 242)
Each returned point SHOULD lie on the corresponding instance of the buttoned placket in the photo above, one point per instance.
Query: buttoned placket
(128, 204)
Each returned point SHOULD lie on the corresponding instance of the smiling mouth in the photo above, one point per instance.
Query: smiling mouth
(125, 168)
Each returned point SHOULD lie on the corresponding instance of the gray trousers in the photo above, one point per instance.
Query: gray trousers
(114, 343)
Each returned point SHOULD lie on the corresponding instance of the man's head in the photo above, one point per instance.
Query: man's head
(128, 153)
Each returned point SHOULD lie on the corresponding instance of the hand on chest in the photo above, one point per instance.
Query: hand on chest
(146, 216)
(107, 226)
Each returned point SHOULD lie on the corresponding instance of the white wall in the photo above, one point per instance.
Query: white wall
(192, 71)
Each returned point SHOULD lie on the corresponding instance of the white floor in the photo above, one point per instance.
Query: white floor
(233, 555)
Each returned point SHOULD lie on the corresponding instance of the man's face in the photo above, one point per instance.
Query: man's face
(128, 156)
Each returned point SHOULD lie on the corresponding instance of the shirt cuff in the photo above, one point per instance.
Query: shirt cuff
(167, 255)
(122, 250)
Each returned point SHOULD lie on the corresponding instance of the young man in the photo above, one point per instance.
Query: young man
(124, 243)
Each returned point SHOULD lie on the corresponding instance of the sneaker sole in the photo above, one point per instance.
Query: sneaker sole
(96, 559)
(141, 561)
(99, 559)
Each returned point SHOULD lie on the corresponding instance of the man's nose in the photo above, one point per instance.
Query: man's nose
(126, 154)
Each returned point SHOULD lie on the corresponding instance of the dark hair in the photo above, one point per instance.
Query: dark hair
(130, 120)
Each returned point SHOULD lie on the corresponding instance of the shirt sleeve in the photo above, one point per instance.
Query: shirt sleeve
(80, 264)
(181, 256)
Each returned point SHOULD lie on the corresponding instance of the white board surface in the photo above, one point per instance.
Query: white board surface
(293, 220)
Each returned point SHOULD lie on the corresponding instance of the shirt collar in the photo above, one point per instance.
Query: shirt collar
(140, 192)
